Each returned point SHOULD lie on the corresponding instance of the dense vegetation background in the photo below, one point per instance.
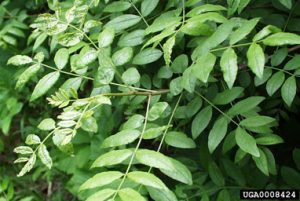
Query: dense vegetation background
(165, 100)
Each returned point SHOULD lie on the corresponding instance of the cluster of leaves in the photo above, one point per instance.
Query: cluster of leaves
(181, 99)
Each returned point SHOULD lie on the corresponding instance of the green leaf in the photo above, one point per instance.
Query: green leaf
(70, 39)
(117, 6)
(19, 60)
(147, 56)
(127, 194)
(146, 179)
(28, 166)
(243, 31)
(204, 8)
(261, 162)
(196, 28)
(269, 139)
(229, 66)
(289, 90)
(101, 195)
(204, 66)
(217, 133)
(23, 150)
(228, 95)
(256, 59)
(27, 74)
(153, 133)
(245, 105)
(44, 156)
(257, 121)
(106, 37)
(148, 6)
(179, 140)
(275, 82)
(134, 121)
(271, 161)
(47, 124)
(267, 74)
(132, 39)
(105, 73)
(44, 85)
(189, 80)
(89, 124)
(87, 56)
(293, 64)
(165, 21)
(157, 110)
(122, 56)
(61, 58)
(123, 22)
(215, 174)
(167, 49)
(223, 195)
(180, 63)
(101, 179)
(32, 139)
(131, 76)
(39, 40)
(176, 86)
(267, 30)
(246, 142)
(279, 56)
(201, 121)
(286, 3)
(161, 194)
(243, 4)
(112, 158)
(121, 138)
(279, 39)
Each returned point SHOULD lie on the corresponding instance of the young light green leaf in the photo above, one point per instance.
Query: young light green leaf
(153, 133)
(44, 156)
(246, 142)
(257, 121)
(267, 30)
(23, 150)
(146, 179)
(204, 8)
(101, 195)
(256, 59)
(123, 22)
(28, 166)
(89, 124)
(168, 48)
(179, 140)
(32, 139)
(201, 121)
(112, 158)
(146, 56)
(19, 60)
(229, 66)
(121, 138)
(289, 90)
(130, 194)
(39, 40)
(217, 133)
(228, 95)
(279, 39)
(44, 85)
(275, 82)
(61, 58)
(70, 39)
(27, 74)
(101, 179)
(106, 37)
(122, 56)
(148, 6)
(196, 28)
(204, 66)
(153, 159)
(47, 124)
(243, 31)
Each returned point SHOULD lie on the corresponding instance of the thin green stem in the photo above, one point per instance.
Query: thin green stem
(135, 150)
(282, 70)
(219, 110)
